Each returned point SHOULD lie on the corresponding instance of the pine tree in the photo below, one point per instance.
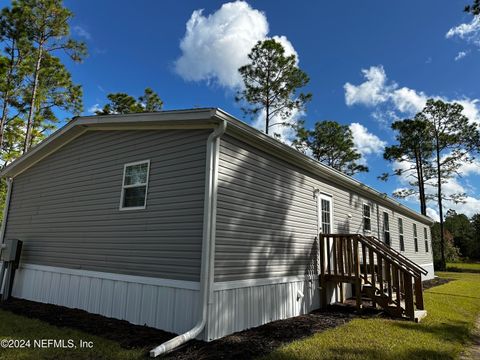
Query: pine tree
(412, 152)
(455, 141)
(122, 103)
(331, 144)
(271, 82)
(46, 22)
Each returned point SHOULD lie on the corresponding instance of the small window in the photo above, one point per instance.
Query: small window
(386, 229)
(400, 234)
(135, 185)
(425, 234)
(415, 237)
(366, 218)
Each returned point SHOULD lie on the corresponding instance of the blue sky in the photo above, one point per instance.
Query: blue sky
(402, 48)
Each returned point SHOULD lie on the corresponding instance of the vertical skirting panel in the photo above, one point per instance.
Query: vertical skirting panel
(431, 271)
(141, 301)
(245, 304)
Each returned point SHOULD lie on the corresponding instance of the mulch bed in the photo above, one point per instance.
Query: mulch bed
(427, 284)
(247, 344)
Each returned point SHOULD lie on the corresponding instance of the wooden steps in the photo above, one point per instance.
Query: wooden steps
(390, 280)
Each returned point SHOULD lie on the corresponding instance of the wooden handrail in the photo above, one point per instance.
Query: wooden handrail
(394, 254)
(397, 254)
(391, 280)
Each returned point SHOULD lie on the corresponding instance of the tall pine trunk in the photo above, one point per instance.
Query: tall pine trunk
(6, 95)
(28, 133)
(421, 182)
(440, 207)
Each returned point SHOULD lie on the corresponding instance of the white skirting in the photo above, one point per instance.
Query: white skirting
(161, 303)
(172, 305)
(430, 269)
(245, 304)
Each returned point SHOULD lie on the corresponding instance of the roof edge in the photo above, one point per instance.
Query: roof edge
(299, 159)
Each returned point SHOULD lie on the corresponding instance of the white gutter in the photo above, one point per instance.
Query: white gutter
(208, 243)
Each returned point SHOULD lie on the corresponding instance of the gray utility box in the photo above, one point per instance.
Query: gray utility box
(11, 251)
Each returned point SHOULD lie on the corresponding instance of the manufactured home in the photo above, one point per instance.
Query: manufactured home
(193, 222)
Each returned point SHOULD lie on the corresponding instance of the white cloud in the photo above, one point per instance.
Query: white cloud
(432, 213)
(82, 32)
(285, 133)
(469, 32)
(390, 102)
(371, 92)
(461, 55)
(365, 142)
(408, 100)
(471, 168)
(470, 204)
(396, 102)
(96, 107)
(215, 46)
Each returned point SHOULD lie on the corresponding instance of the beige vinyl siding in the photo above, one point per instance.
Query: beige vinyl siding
(66, 207)
(267, 215)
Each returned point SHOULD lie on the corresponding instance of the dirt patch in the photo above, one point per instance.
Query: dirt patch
(427, 284)
(246, 344)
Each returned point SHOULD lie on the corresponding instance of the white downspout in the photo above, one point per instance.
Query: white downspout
(208, 239)
(4, 226)
(5, 210)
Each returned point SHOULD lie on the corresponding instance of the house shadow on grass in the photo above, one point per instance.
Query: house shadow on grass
(379, 354)
(454, 331)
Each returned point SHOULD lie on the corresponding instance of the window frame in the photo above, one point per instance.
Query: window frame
(122, 195)
(386, 229)
(401, 236)
(425, 235)
(415, 236)
(369, 217)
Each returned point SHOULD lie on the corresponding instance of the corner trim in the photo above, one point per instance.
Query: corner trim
(179, 284)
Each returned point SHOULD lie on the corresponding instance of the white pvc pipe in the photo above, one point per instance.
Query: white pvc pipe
(208, 246)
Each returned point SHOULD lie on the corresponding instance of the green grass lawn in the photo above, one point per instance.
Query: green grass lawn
(463, 267)
(18, 327)
(443, 334)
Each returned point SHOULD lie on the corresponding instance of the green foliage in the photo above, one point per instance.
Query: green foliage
(47, 25)
(271, 82)
(452, 253)
(150, 101)
(3, 195)
(332, 144)
(34, 82)
(122, 103)
(473, 9)
(465, 234)
(455, 141)
(413, 150)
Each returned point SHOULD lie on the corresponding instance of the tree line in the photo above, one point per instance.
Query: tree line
(35, 84)
(462, 238)
(430, 148)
